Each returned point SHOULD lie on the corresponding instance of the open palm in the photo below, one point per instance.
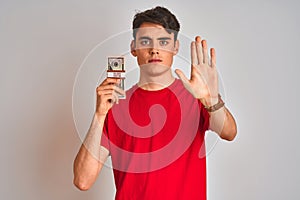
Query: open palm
(203, 83)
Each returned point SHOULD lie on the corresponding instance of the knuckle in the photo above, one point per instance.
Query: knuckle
(99, 88)
(115, 87)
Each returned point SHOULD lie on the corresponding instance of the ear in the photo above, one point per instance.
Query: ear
(176, 47)
(132, 48)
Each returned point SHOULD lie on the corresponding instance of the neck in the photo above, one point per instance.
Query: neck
(155, 82)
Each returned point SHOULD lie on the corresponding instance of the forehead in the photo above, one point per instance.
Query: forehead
(153, 31)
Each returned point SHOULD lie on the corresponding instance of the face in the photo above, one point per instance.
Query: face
(154, 47)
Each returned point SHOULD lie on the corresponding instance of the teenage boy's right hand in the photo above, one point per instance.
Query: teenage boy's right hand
(107, 94)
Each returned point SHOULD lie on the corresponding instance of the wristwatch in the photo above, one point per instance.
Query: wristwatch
(217, 106)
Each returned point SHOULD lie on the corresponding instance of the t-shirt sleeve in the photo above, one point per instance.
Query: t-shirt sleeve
(204, 118)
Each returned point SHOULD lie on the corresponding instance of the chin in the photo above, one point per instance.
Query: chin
(154, 69)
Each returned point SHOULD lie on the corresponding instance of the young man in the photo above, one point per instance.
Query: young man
(156, 136)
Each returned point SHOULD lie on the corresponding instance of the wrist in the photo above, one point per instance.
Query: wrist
(209, 101)
(213, 103)
(100, 117)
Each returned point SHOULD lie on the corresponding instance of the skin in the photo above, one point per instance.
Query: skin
(154, 43)
(154, 49)
(89, 160)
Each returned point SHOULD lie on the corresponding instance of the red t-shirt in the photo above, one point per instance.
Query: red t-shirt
(156, 143)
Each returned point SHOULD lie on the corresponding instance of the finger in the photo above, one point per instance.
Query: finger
(109, 98)
(115, 97)
(104, 92)
(199, 50)
(107, 87)
(108, 81)
(119, 90)
(213, 57)
(205, 53)
(181, 76)
(194, 58)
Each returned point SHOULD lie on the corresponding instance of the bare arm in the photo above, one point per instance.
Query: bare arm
(223, 123)
(91, 156)
(203, 85)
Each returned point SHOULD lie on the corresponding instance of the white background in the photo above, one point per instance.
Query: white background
(43, 44)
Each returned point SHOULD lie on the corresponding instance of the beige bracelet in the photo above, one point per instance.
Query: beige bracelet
(217, 106)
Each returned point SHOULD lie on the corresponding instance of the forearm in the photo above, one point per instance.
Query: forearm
(91, 156)
(223, 123)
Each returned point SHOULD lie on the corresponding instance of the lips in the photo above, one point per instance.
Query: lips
(154, 60)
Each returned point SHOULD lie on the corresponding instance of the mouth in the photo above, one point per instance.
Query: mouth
(155, 60)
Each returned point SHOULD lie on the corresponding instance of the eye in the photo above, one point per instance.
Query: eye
(145, 42)
(163, 42)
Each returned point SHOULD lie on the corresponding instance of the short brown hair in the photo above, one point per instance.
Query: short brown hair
(158, 15)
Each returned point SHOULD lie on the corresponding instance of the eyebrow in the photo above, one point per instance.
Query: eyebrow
(148, 38)
(144, 38)
(164, 38)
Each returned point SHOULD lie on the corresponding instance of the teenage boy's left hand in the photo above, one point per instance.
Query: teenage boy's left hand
(203, 83)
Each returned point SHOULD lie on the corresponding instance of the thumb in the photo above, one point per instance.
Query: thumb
(181, 75)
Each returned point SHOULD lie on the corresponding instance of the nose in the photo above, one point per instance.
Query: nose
(154, 50)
